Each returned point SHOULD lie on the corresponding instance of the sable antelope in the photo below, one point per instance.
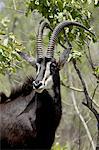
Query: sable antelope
(31, 114)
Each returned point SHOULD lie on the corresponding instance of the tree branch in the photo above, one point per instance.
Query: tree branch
(88, 101)
(78, 112)
(14, 4)
(91, 62)
(17, 10)
(95, 91)
(71, 87)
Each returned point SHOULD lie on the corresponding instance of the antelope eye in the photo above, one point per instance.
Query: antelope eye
(53, 67)
(53, 64)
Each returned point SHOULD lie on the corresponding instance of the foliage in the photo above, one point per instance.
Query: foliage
(96, 71)
(8, 44)
(58, 10)
(55, 11)
(57, 146)
(75, 55)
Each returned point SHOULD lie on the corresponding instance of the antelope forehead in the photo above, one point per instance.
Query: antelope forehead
(43, 69)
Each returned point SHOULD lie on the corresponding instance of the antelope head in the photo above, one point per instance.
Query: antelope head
(47, 67)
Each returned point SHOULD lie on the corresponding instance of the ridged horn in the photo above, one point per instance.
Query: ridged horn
(57, 30)
(42, 25)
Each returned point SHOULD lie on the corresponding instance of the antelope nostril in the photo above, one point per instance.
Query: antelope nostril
(37, 84)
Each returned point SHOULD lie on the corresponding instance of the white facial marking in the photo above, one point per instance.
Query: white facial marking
(38, 68)
(47, 72)
(47, 81)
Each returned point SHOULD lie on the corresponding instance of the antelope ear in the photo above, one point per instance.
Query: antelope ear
(64, 57)
(28, 58)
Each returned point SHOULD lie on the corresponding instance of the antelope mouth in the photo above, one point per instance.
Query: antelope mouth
(39, 90)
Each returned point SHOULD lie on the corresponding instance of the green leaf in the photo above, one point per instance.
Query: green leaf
(60, 5)
(2, 32)
(96, 71)
(1, 51)
(96, 2)
(5, 21)
(56, 147)
(89, 1)
(5, 42)
(75, 55)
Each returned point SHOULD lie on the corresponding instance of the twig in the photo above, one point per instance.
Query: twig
(88, 101)
(83, 83)
(95, 91)
(66, 39)
(62, 45)
(71, 87)
(17, 10)
(14, 4)
(90, 61)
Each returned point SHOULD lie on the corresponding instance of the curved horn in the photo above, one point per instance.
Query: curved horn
(42, 25)
(57, 30)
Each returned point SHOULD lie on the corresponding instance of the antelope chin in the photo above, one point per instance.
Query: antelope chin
(39, 90)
